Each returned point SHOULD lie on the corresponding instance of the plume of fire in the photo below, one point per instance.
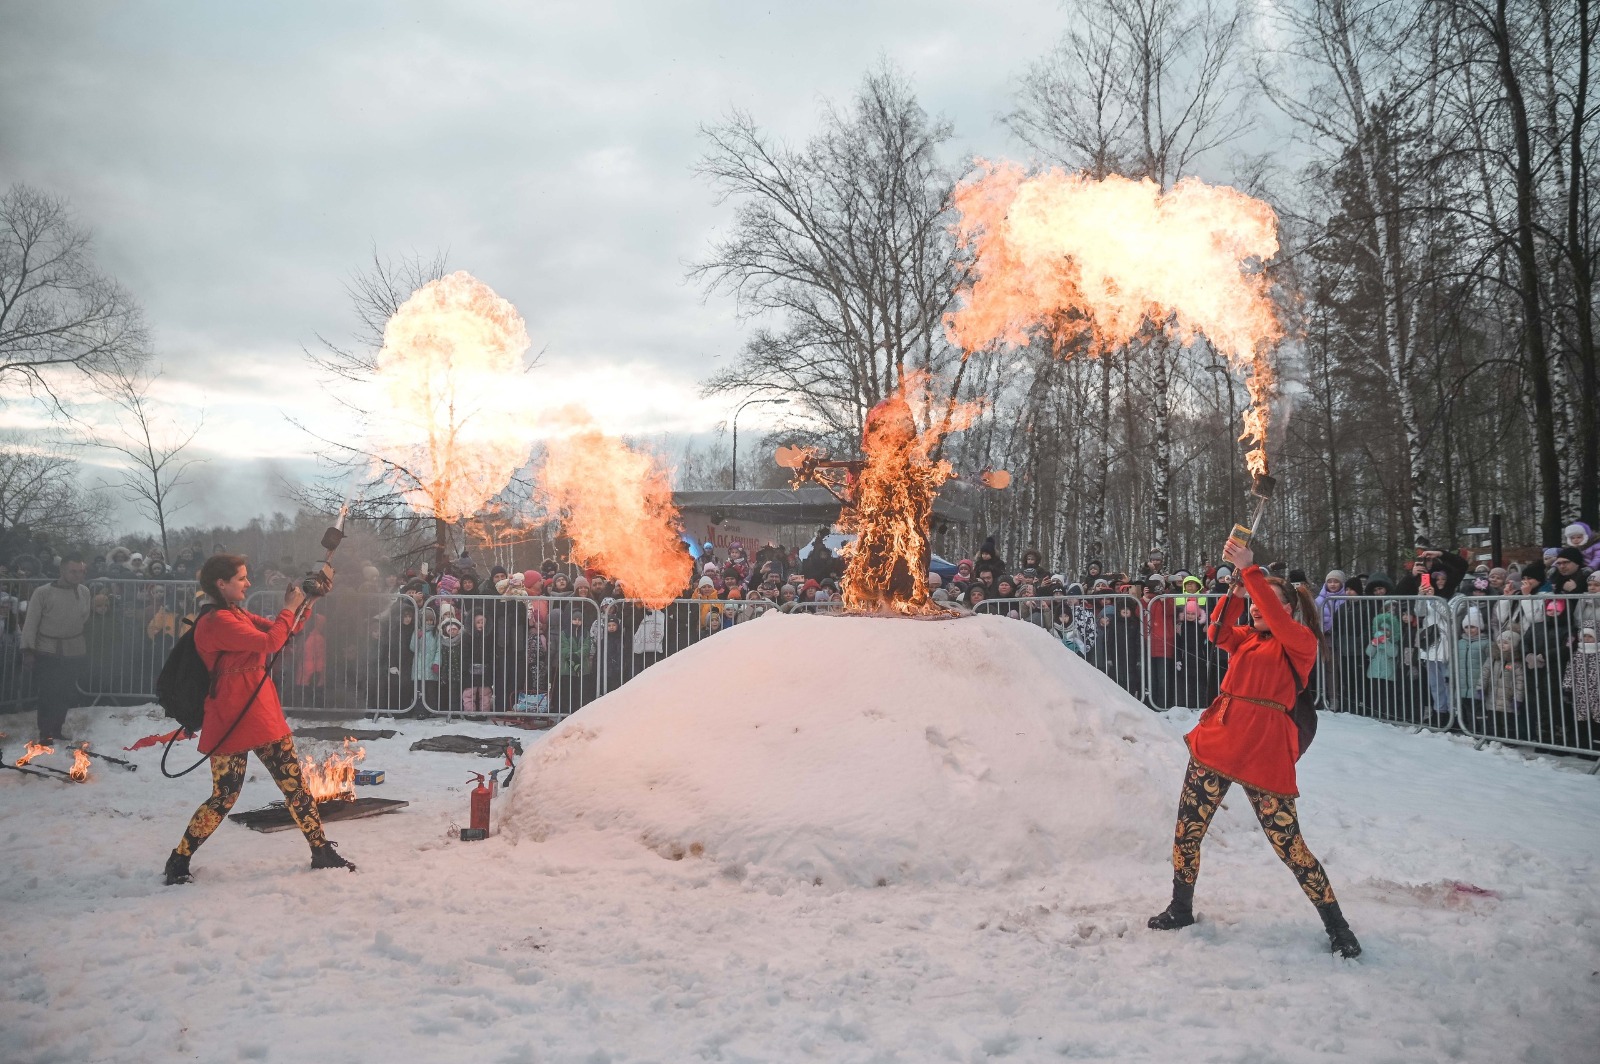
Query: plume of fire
(1056, 248)
(80, 765)
(33, 750)
(615, 503)
(334, 778)
(452, 355)
(892, 502)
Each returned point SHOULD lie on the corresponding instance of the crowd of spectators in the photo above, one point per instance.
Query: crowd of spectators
(1504, 650)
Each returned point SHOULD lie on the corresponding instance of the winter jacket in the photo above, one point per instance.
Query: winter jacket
(1328, 605)
(1470, 656)
(1433, 630)
(1383, 650)
(650, 637)
(1502, 678)
(425, 659)
(1583, 680)
(574, 652)
(1243, 740)
(235, 645)
(987, 561)
(1545, 644)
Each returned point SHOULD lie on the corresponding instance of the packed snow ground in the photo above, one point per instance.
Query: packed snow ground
(592, 946)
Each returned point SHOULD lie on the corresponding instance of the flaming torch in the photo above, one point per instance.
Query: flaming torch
(1114, 254)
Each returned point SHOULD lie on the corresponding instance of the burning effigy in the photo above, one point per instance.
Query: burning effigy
(888, 496)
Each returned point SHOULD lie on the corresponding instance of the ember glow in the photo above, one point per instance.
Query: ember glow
(616, 505)
(80, 765)
(1063, 249)
(453, 360)
(334, 779)
(32, 751)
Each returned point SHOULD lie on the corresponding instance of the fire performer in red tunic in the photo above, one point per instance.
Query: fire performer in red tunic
(1247, 736)
(243, 714)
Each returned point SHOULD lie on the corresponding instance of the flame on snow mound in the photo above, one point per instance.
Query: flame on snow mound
(863, 751)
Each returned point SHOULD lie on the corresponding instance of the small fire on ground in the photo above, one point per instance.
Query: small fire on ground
(334, 778)
(80, 765)
(34, 750)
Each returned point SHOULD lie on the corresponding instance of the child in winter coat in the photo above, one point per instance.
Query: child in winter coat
(1583, 683)
(1472, 650)
(1505, 687)
(425, 660)
(1383, 651)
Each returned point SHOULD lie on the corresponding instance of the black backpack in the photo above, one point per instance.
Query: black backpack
(1304, 713)
(185, 681)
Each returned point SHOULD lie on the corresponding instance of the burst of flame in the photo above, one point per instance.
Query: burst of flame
(892, 497)
(333, 779)
(1110, 255)
(450, 371)
(32, 751)
(616, 505)
(80, 765)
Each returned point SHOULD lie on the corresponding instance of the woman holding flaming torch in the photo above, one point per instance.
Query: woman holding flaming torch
(1248, 736)
(242, 712)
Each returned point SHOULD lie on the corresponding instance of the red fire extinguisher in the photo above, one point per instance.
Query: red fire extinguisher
(480, 809)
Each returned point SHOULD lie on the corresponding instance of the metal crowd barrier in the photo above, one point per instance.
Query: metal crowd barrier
(16, 684)
(1524, 676)
(133, 626)
(506, 656)
(1109, 631)
(1521, 676)
(351, 655)
(1390, 657)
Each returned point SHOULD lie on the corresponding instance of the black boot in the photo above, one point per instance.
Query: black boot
(325, 856)
(177, 870)
(1341, 939)
(1180, 913)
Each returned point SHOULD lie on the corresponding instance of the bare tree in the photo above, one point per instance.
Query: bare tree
(41, 493)
(58, 314)
(1147, 88)
(841, 249)
(153, 445)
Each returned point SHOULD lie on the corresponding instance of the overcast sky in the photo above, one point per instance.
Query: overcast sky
(237, 162)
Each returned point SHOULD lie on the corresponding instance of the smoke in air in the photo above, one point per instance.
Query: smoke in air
(1112, 254)
(451, 354)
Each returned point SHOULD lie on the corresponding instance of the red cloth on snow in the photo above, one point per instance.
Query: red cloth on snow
(1254, 744)
(235, 646)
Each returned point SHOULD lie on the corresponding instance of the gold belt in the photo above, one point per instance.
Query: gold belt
(1224, 698)
(239, 669)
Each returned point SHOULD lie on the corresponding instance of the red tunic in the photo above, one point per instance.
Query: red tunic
(235, 645)
(1255, 745)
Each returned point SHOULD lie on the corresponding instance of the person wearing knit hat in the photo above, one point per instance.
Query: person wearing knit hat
(1568, 575)
(1582, 681)
(1471, 651)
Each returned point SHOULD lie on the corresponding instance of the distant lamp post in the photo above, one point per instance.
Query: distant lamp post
(740, 407)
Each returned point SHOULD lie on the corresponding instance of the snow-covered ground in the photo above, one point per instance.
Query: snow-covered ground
(555, 941)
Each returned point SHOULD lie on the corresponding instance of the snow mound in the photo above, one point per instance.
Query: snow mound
(864, 751)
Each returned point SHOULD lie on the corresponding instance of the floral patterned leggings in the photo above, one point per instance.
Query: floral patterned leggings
(1203, 791)
(227, 779)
